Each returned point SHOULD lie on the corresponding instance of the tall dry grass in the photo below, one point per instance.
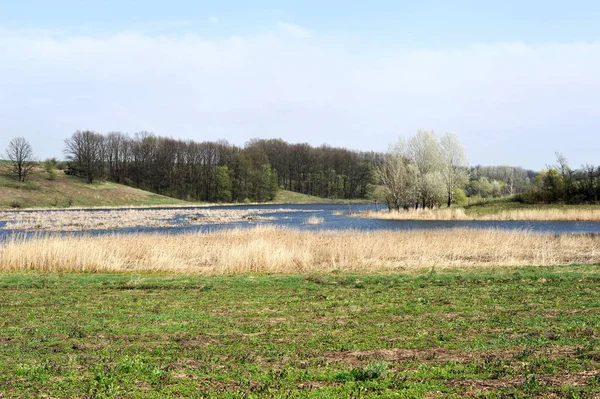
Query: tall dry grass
(419, 214)
(314, 220)
(575, 215)
(275, 250)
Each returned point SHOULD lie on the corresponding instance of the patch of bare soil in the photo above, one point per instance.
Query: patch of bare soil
(555, 380)
(439, 355)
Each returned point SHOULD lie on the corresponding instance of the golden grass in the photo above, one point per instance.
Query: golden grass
(419, 214)
(276, 250)
(574, 215)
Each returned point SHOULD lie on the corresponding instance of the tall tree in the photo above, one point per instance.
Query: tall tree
(397, 175)
(425, 153)
(454, 163)
(20, 156)
(85, 150)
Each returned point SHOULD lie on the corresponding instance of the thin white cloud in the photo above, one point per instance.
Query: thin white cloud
(509, 102)
(214, 20)
(294, 30)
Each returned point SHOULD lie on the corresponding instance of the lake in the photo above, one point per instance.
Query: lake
(294, 216)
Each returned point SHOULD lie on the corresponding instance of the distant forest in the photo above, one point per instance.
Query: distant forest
(220, 171)
(425, 170)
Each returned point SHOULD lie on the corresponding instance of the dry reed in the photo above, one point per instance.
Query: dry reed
(118, 219)
(575, 215)
(314, 220)
(419, 214)
(276, 250)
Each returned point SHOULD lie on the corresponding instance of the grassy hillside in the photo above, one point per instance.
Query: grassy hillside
(290, 197)
(65, 191)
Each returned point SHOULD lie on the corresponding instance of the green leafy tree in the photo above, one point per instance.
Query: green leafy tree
(50, 168)
(223, 184)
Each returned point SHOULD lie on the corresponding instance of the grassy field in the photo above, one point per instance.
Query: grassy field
(68, 191)
(495, 333)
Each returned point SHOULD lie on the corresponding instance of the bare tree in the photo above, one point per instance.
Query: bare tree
(454, 163)
(86, 151)
(20, 156)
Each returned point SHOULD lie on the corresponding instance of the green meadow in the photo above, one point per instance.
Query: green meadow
(495, 333)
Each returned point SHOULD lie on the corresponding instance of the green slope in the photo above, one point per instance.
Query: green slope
(69, 191)
(291, 197)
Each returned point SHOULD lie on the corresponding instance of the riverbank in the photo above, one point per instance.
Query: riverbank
(499, 210)
(505, 332)
(567, 215)
(277, 250)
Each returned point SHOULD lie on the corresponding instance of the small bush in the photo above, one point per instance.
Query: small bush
(15, 204)
(50, 168)
(372, 371)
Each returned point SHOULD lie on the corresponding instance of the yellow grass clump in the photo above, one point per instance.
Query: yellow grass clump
(314, 220)
(276, 250)
(573, 215)
(419, 214)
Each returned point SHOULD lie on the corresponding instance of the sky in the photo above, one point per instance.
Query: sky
(517, 81)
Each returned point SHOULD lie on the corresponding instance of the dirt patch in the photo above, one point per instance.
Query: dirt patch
(486, 385)
(556, 380)
(441, 355)
(308, 385)
(414, 355)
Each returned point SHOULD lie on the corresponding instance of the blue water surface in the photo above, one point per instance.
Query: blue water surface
(297, 214)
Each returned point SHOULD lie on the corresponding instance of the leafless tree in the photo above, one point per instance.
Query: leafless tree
(86, 151)
(20, 157)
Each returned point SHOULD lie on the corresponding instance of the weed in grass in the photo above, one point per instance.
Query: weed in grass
(531, 384)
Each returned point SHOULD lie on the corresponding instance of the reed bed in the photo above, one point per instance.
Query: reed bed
(314, 220)
(419, 214)
(573, 215)
(118, 219)
(277, 250)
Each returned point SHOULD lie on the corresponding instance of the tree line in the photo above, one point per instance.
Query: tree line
(220, 171)
(422, 171)
(559, 183)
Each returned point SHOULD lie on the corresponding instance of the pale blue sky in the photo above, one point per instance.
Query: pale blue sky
(439, 23)
(516, 80)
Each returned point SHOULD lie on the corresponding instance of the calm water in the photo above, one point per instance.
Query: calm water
(297, 215)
